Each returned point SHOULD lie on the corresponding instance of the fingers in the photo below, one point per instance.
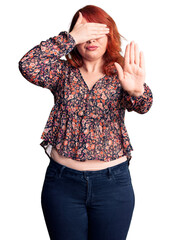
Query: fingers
(98, 27)
(127, 55)
(119, 70)
(136, 54)
(84, 31)
(97, 24)
(142, 61)
(80, 18)
(98, 32)
(132, 55)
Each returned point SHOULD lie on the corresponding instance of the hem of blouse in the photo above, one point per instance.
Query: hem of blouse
(47, 145)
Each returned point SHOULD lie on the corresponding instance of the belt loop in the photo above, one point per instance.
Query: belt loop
(85, 175)
(61, 170)
(109, 172)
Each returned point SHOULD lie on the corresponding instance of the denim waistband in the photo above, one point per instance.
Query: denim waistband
(115, 169)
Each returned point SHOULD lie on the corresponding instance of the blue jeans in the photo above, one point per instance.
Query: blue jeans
(87, 205)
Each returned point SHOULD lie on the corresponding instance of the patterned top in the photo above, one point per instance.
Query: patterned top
(83, 123)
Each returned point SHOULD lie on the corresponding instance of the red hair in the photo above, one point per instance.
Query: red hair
(95, 14)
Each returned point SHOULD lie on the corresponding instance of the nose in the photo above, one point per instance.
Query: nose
(91, 40)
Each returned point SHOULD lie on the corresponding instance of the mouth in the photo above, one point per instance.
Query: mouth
(92, 48)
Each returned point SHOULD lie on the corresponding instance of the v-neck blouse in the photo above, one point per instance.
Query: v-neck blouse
(83, 124)
(89, 90)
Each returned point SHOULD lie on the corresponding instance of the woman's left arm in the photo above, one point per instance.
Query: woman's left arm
(140, 104)
(137, 96)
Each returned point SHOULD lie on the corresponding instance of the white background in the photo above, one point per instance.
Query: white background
(25, 109)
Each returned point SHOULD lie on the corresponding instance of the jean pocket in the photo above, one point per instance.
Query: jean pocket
(122, 177)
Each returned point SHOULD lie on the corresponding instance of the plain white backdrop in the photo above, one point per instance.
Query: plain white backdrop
(25, 109)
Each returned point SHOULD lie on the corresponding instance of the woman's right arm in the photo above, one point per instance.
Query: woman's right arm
(42, 65)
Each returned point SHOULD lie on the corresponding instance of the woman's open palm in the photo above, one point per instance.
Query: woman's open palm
(132, 76)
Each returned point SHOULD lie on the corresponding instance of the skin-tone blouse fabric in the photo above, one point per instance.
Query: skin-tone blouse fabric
(83, 124)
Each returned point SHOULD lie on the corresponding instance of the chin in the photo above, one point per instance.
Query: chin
(92, 56)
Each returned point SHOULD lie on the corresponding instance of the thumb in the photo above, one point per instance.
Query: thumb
(119, 70)
(79, 20)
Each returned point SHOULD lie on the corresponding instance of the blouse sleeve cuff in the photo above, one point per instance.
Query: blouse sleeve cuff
(139, 104)
(68, 37)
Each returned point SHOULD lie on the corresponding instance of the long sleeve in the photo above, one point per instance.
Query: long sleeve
(42, 65)
(140, 104)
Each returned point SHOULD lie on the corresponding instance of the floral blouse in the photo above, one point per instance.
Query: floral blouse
(83, 124)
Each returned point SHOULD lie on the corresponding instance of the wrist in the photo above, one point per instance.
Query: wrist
(74, 37)
(136, 93)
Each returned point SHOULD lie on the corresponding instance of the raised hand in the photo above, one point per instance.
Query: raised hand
(132, 76)
(83, 32)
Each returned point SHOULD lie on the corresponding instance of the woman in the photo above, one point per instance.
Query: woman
(87, 191)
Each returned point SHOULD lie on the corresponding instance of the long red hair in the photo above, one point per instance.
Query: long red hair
(95, 14)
